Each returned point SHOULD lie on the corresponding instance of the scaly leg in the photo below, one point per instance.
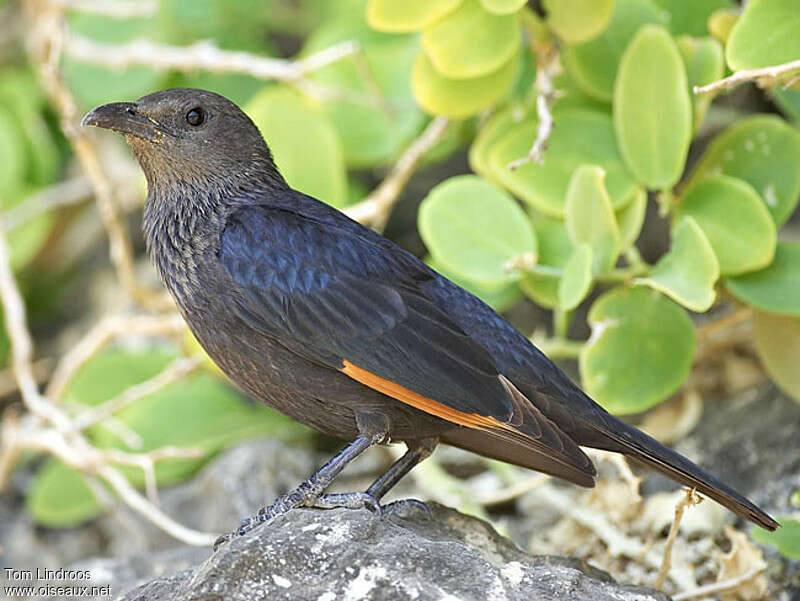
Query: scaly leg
(370, 499)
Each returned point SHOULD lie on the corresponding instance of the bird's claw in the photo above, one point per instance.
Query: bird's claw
(352, 500)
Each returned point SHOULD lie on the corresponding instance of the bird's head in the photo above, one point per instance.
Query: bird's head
(189, 137)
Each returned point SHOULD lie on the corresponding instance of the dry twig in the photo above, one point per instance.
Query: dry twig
(549, 67)
(689, 499)
(205, 56)
(720, 587)
(104, 332)
(374, 210)
(759, 75)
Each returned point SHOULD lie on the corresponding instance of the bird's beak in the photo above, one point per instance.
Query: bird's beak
(123, 117)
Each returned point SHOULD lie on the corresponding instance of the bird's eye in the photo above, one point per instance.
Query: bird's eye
(195, 116)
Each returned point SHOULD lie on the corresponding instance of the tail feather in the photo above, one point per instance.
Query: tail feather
(646, 450)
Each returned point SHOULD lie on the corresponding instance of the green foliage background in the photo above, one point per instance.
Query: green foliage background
(563, 233)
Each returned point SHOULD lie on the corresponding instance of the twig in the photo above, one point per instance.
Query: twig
(101, 335)
(44, 50)
(509, 493)
(117, 9)
(374, 210)
(22, 344)
(764, 73)
(720, 587)
(690, 498)
(549, 68)
(205, 56)
(617, 542)
(174, 371)
(68, 192)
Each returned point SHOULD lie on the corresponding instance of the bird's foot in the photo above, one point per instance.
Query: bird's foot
(283, 505)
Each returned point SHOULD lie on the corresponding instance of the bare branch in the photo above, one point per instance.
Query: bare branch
(720, 587)
(101, 335)
(205, 56)
(173, 372)
(690, 498)
(22, 344)
(761, 75)
(374, 210)
(63, 193)
(549, 68)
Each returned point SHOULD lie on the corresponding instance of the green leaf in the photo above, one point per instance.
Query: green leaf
(777, 340)
(764, 151)
(735, 220)
(407, 16)
(765, 35)
(492, 41)
(690, 16)
(541, 282)
(630, 219)
(576, 21)
(786, 538)
(459, 98)
(593, 64)
(473, 229)
(704, 63)
(304, 143)
(788, 100)
(500, 298)
(590, 218)
(687, 273)
(720, 23)
(58, 497)
(581, 137)
(775, 289)
(640, 351)
(652, 109)
(370, 135)
(503, 7)
(577, 279)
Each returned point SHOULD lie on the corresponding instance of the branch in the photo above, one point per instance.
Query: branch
(720, 587)
(101, 335)
(764, 73)
(549, 68)
(205, 56)
(173, 372)
(374, 210)
(68, 192)
(690, 498)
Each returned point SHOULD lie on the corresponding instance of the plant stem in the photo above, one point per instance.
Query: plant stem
(559, 348)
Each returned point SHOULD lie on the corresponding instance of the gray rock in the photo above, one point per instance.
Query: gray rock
(313, 555)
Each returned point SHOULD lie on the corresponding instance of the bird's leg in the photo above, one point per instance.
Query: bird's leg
(418, 450)
(307, 493)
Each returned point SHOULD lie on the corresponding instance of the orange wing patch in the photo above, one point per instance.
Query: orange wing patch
(423, 403)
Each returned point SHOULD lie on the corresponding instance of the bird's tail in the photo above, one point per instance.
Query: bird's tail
(640, 447)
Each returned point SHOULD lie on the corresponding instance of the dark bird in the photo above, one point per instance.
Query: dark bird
(342, 330)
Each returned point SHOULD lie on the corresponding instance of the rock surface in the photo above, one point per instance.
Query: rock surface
(312, 555)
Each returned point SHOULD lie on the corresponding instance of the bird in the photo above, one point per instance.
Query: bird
(339, 328)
